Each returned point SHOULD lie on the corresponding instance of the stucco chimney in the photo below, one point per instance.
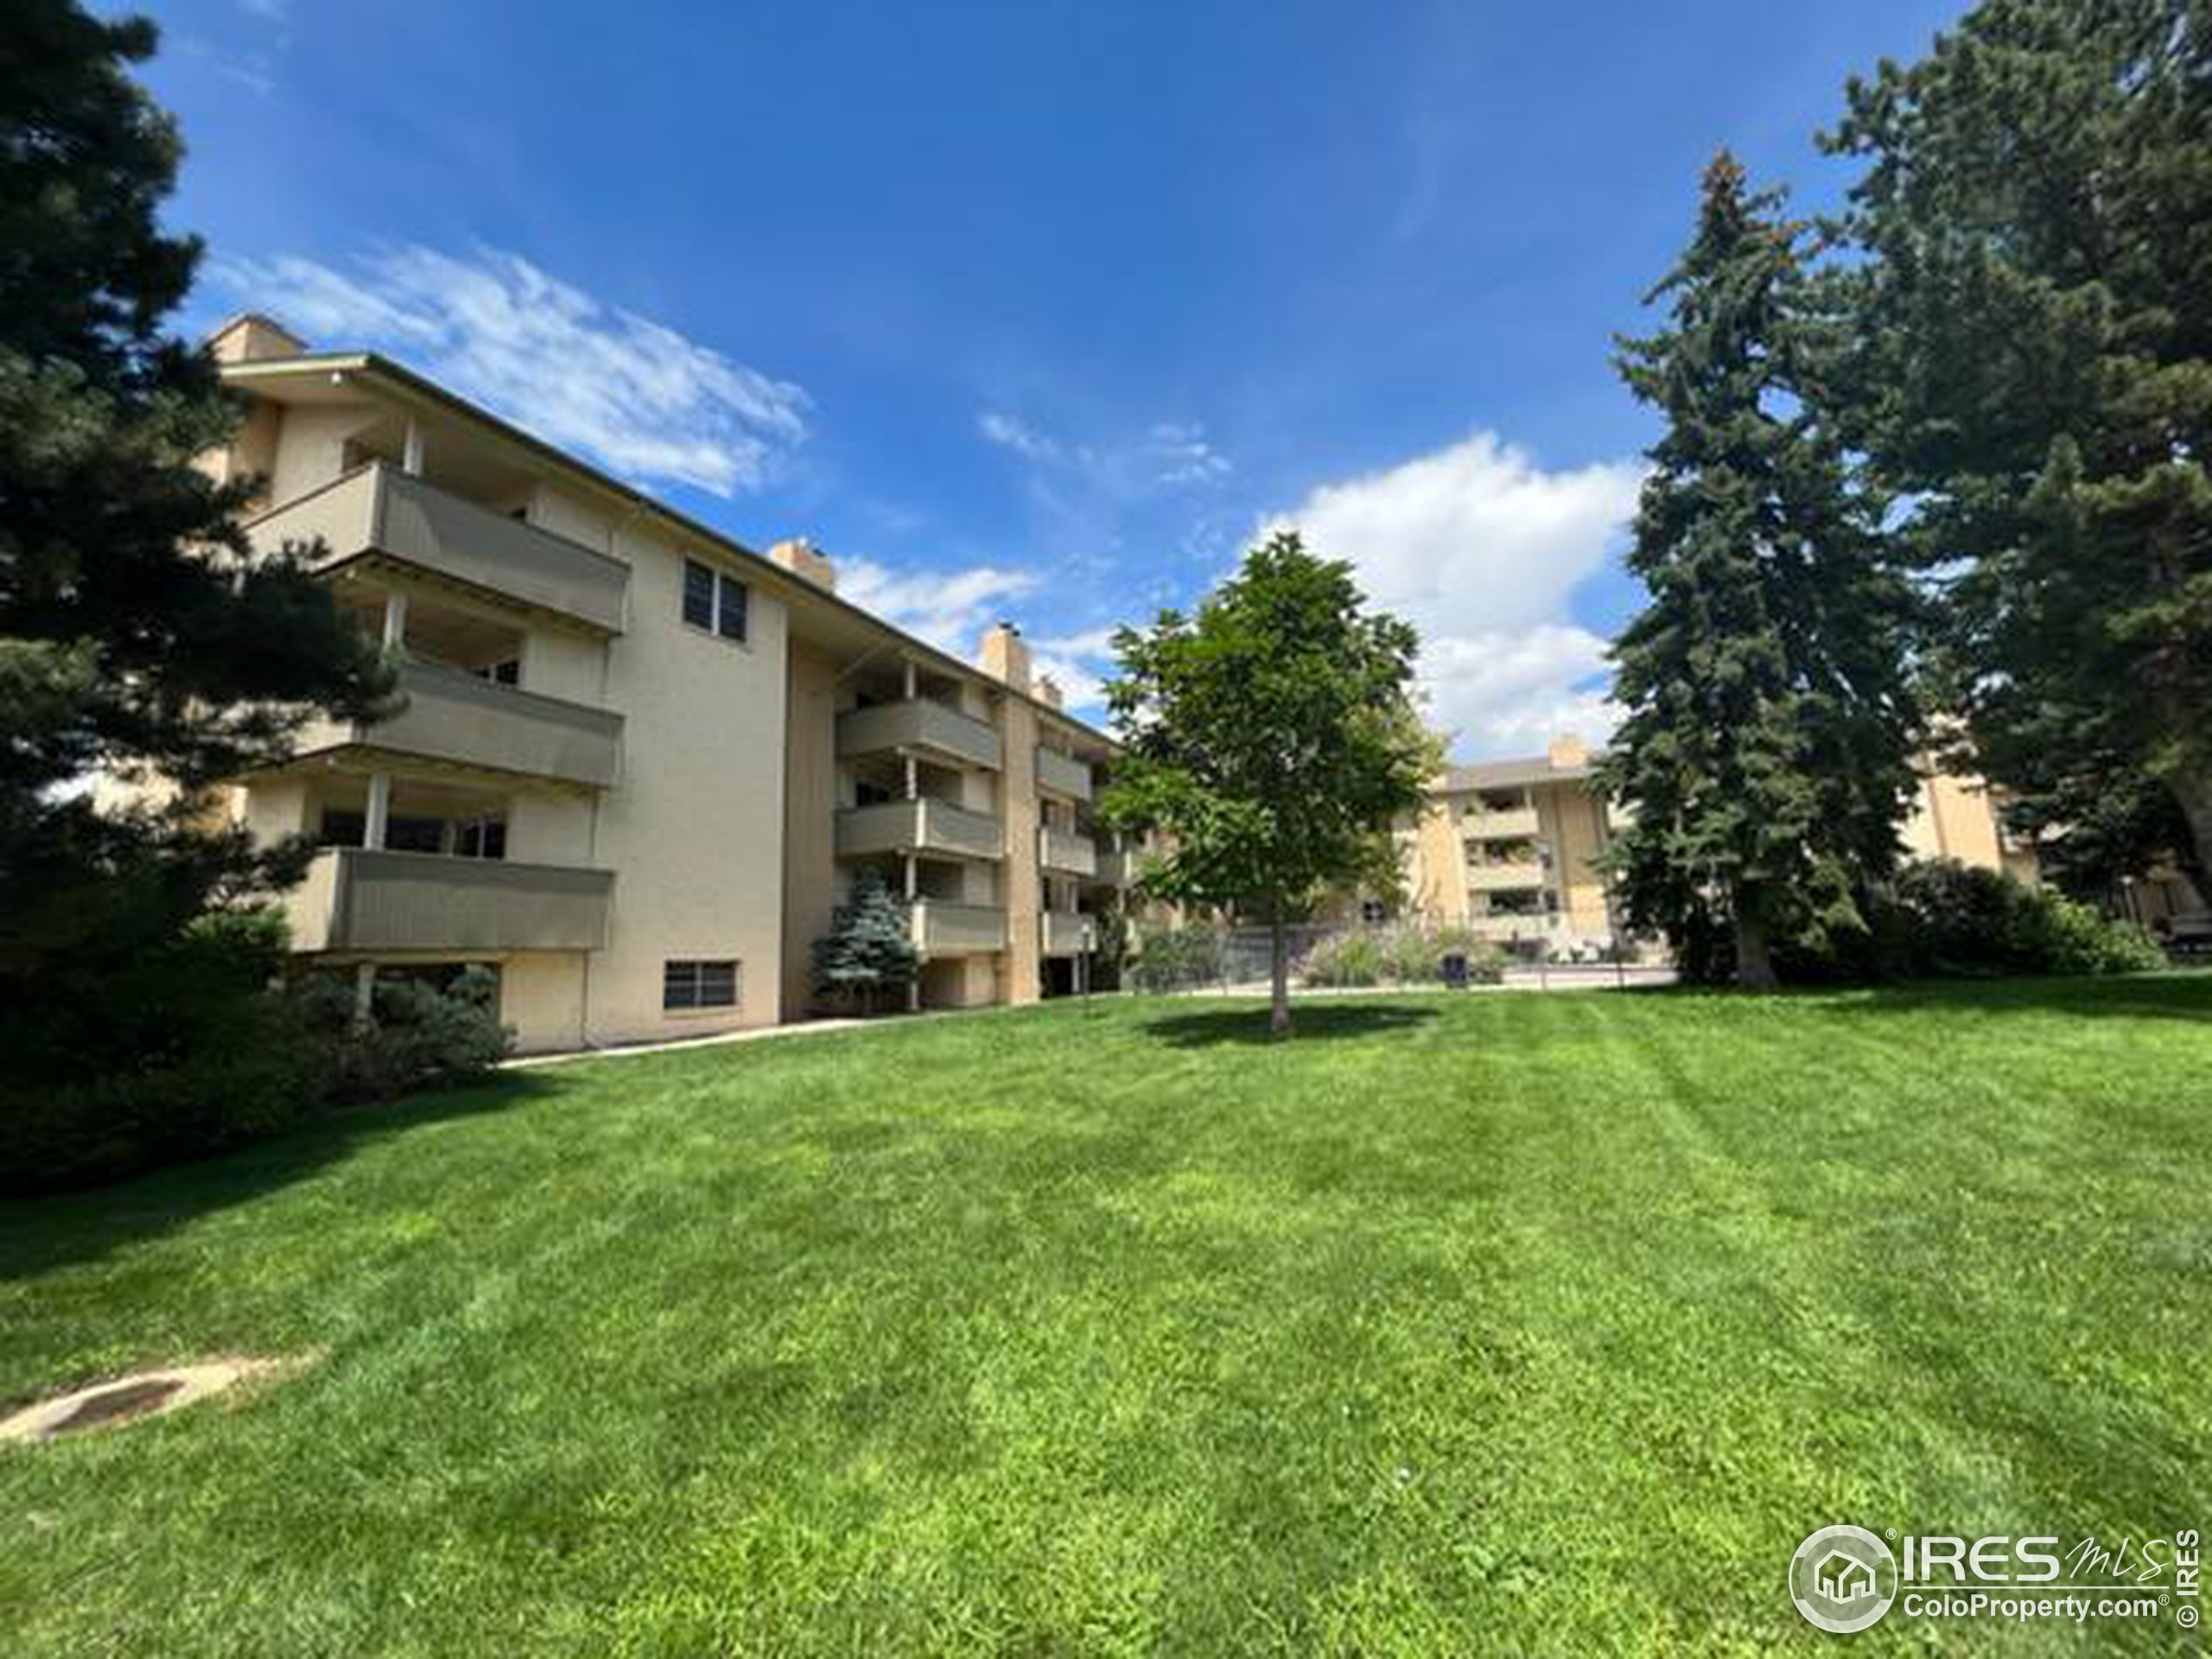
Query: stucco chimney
(1568, 752)
(805, 561)
(1005, 657)
(1048, 690)
(249, 337)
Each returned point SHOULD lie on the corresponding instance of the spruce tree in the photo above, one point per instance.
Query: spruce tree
(137, 641)
(2034, 379)
(868, 956)
(1764, 760)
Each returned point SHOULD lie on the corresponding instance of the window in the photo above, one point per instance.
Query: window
(343, 828)
(507, 672)
(710, 984)
(1374, 912)
(415, 835)
(713, 600)
(481, 838)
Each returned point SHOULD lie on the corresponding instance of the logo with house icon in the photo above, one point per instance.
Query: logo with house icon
(1843, 1578)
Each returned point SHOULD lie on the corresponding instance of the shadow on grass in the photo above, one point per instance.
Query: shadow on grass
(2181, 995)
(1309, 1023)
(83, 1224)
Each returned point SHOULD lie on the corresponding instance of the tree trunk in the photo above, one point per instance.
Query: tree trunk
(1279, 973)
(1754, 959)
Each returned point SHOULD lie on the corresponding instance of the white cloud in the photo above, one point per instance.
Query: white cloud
(637, 396)
(1183, 455)
(1010, 432)
(950, 610)
(271, 11)
(1482, 549)
(1082, 690)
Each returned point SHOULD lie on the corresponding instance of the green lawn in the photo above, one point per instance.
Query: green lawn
(1500, 1323)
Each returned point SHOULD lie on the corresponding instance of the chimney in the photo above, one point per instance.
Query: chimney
(1568, 752)
(1048, 690)
(1005, 658)
(249, 337)
(806, 562)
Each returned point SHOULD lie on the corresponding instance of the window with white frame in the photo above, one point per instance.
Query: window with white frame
(710, 982)
(713, 600)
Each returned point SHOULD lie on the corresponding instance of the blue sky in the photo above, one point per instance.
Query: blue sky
(1037, 309)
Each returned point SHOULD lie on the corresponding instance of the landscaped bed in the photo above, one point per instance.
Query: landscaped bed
(1487, 1323)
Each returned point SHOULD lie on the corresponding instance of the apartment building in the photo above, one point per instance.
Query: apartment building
(635, 764)
(1510, 848)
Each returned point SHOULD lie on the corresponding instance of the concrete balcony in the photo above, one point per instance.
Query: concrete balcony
(445, 714)
(1065, 853)
(1505, 877)
(944, 928)
(1509, 826)
(924, 726)
(925, 825)
(1057, 774)
(1118, 866)
(376, 512)
(1064, 933)
(357, 900)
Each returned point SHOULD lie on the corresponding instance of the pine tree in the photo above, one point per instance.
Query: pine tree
(2035, 380)
(868, 956)
(135, 640)
(1763, 764)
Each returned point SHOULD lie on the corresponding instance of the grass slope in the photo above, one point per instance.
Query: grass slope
(1501, 1323)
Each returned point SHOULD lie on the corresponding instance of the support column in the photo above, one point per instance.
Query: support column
(395, 622)
(410, 450)
(379, 817)
(365, 991)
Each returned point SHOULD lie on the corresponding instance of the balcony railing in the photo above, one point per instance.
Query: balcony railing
(1504, 877)
(1065, 853)
(1501, 824)
(1063, 932)
(446, 715)
(924, 825)
(1059, 774)
(376, 510)
(357, 900)
(944, 928)
(922, 724)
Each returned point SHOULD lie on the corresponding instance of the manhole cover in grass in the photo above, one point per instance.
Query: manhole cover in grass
(127, 1399)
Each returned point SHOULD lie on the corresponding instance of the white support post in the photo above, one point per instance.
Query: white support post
(379, 813)
(395, 622)
(913, 779)
(913, 886)
(410, 450)
(365, 992)
(913, 681)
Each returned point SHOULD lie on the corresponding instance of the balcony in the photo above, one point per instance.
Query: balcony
(1118, 866)
(943, 929)
(924, 726)
(1505, 877)
(1512, 823)
(448, 715)
(1065, 853)
(1063, 932)
(357, 900)
(923, 825)
(376, 511)
(1059, 774)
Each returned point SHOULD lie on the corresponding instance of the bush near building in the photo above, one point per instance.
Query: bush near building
(226, 1052)
(1406, 954)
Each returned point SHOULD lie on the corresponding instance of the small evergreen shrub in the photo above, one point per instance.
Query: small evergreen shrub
(421, 1032)
(867, 960)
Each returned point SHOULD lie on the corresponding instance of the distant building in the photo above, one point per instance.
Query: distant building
(1510, 848)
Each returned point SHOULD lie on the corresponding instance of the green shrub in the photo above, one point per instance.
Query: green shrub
(195, 1051)
(1346, 960)
(1406, 954)
(422, 1031)
(1176, 958)
(1953, 921)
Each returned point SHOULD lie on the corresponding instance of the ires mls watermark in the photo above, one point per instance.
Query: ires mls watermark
(1845, 1578)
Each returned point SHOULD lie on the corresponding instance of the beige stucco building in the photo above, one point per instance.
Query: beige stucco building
(636, 763)
(1511, 848)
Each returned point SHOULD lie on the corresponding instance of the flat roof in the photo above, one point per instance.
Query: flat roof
(407, 383)
(1514, 774)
